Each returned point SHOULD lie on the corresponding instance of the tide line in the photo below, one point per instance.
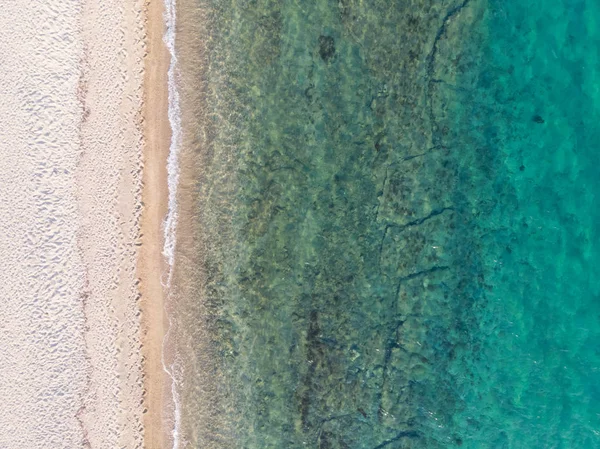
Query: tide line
(170, 223)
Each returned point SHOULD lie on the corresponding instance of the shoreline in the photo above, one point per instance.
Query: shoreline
(151, 263)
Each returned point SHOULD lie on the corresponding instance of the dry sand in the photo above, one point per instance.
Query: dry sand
(80, 364)
(43, 364)
(109, 199)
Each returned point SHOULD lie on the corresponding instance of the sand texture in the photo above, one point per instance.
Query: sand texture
(71, 140)
(151, 264)
(109, 181)
(42, 355)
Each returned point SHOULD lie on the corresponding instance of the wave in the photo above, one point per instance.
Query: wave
(170, 223)
(174, 114)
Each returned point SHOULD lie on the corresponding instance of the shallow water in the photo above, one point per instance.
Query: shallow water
(396, 226)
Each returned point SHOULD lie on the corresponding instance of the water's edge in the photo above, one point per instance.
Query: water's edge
(171, 220)
(371, 213)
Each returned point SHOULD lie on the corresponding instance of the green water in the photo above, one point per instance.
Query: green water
(398, 220)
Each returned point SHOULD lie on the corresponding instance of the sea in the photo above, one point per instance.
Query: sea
(395, 217)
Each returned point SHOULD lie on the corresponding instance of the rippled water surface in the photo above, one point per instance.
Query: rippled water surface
(398, 220)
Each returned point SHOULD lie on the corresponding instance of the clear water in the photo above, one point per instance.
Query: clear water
(533, 106)
(398, 217)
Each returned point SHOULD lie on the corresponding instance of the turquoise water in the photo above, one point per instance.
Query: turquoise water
(397, 215)
(532, 111)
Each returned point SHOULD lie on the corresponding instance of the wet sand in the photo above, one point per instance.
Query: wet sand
(151, 264)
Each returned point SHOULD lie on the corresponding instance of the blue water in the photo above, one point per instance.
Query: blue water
(398, 220)
(532, 109)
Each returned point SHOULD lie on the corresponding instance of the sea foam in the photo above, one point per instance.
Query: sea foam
(170, 223)
(174, 114)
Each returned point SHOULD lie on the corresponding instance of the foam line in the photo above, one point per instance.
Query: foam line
(174, 113)
(170, 223)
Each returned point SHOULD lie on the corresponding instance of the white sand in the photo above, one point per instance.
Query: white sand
(71, 77)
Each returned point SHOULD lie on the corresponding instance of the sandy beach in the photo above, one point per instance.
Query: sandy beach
(109, 199)
(43, 362)
(84, 139)
(151, 264)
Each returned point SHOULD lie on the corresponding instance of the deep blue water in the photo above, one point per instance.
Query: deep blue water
(398, 214)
